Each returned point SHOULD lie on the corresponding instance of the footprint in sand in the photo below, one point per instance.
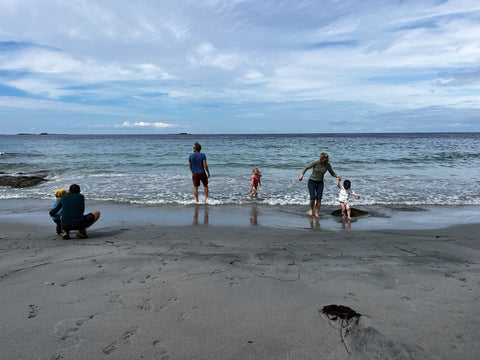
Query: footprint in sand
(147, 278)
(160, 352)
(145, 305)
(171, 300)
(37, 252)
(32, 311)
(117, 300)
(187, 314)
(124, 339)
(234, 281)
(67, 330)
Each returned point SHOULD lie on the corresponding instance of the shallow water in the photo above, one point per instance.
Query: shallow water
(385, 169)
(119, 216)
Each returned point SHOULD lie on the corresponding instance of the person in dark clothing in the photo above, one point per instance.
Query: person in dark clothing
(200, 172)
(72, 218)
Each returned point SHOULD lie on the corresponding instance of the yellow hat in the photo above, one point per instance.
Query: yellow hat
(60, 193)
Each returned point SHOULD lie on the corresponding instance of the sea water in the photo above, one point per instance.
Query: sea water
(396, 170)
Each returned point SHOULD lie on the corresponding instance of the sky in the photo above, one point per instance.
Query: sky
(239, 66)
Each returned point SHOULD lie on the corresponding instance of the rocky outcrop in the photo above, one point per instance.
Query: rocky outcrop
(22, 181)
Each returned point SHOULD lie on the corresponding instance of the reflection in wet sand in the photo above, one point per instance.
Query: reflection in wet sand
(205, 215)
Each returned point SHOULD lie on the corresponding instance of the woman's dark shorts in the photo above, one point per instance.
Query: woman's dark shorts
(197, 177)
(88, 220)
(315, 188)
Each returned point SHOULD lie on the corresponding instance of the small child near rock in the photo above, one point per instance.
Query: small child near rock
(344, 196)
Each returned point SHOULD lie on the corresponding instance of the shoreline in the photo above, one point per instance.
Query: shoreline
(237, 292)
(382, 217)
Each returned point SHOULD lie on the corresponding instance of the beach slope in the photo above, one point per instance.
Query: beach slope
(206, 292)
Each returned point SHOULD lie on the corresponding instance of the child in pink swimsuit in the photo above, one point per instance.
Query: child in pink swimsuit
(255, 183)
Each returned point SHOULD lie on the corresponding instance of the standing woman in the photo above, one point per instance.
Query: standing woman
(315, 182)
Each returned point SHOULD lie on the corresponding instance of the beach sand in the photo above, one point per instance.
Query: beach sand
(203, 291)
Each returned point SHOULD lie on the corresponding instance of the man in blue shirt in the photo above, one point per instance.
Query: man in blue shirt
(200, 172)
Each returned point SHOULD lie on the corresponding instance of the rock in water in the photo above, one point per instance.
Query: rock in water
(20, 181)
(354, 212)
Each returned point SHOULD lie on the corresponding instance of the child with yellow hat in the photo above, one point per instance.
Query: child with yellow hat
(59, 193)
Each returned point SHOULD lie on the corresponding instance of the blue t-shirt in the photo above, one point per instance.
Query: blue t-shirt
(196, 159)
(59, 213)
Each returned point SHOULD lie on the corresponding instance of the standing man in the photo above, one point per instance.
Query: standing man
(200, 172)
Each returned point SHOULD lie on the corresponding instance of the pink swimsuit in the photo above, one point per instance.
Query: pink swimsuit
(256, 180)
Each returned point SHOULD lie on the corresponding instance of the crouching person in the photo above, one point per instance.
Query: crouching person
(72, 218)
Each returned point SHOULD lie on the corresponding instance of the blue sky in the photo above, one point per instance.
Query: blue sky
(239, 66)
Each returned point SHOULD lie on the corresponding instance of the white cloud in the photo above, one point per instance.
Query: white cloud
(207, 55)
(253, 77)
(141, 124)
(153, 72)
(51, 62)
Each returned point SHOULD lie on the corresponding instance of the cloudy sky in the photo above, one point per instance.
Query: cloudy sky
(239, 66)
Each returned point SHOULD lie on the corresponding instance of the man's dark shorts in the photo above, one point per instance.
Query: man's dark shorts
(197, 177)
(88, 220)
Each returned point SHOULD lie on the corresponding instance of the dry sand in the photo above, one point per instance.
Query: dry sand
(226, 292)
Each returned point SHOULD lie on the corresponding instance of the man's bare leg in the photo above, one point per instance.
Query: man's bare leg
(195, 193)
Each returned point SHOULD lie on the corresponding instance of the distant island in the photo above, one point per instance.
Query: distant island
(44, 133)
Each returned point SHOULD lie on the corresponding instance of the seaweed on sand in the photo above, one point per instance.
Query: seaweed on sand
(344, 316)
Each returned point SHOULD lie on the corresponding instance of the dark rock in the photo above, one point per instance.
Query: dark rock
(353, 212)
(20, 181)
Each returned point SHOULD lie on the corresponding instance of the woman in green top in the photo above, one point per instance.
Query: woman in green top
(315, 182)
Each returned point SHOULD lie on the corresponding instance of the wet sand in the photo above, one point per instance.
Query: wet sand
(140, 290)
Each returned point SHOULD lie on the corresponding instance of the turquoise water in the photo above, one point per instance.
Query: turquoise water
(385, 169)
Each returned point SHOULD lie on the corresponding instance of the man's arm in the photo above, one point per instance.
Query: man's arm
(206, 167)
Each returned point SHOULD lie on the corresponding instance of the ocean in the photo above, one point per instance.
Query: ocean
(392, 170)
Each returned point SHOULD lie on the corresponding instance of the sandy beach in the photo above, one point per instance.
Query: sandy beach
(141, 290)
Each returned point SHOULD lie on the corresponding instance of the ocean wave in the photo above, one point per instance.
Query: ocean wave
(188, 199)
